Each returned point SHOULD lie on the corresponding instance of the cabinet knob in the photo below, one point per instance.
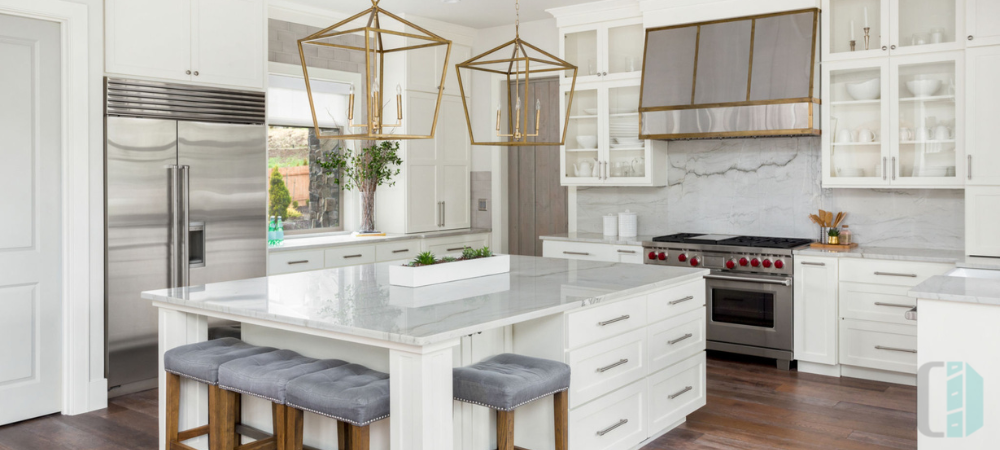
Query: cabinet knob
(196, 73)
(884, 48)
(893, 47)
(187, 72)
(970, 37)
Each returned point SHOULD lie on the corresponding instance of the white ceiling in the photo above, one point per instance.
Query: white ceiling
(471, 13)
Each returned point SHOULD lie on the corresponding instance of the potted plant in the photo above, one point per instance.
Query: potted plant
(374, 165)
(427, 269)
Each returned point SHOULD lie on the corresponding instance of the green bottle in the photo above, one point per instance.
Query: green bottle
(279, 232)
(270, 232)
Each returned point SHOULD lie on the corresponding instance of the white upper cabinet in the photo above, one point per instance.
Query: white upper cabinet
(896, 27)
(982, 22)
(206, 41)
(424, 66)
(604, 51)
(983, 113)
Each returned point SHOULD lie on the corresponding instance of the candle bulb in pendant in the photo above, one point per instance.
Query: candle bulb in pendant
(399, 102)
(852, 30)
(350, 105)
(866, 17)
(517, 112)
(538, 114)
(498, 119)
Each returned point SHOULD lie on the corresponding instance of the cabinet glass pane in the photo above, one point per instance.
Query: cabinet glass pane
(625, 45)
(582, 135)
(847, 22)
(923, 22)
(856, 121)
(581, 51)
(627, 153)
(927, 120)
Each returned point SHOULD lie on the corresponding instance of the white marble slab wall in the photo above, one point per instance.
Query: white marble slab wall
(768, 186)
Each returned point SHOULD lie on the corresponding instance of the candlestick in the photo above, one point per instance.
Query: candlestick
(867, 37)
(853, 44)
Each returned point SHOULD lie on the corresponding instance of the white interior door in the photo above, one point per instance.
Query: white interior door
(31, 244)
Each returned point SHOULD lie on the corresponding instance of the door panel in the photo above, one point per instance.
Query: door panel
(227, 198)
(149, 38)
(216, 25)
(31, 246)
(422, 210)
(138, 152)
(455, 195)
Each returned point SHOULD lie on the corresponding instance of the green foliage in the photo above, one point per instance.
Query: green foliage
(371, 167)
(834, 232)
(424, 259)
(295, 204)
(485, 252)
(470, 253)
(278, 196)
(273, 163)
(448, 259)
(292, 213)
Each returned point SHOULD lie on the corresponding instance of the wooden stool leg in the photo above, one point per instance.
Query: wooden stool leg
(293, 428)
(505, 430)
(358, 439)
(343, 437)
(221, 419)
(561, 402)
(279, 422)
(173, 407)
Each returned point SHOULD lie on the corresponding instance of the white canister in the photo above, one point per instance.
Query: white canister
(611, 225)
(628, 224)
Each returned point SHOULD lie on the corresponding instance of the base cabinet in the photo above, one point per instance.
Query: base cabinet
(815, 309)
(981, 217)
(587, 251)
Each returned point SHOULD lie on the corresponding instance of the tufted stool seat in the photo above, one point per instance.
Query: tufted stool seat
(352, 394)
(507, 381)
(200, 362)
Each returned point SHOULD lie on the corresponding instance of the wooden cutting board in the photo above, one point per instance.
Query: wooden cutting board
(834, 247)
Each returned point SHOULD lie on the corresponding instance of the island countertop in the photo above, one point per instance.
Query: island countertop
(359, 301)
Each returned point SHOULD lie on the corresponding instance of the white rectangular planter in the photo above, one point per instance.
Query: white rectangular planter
(400, 275)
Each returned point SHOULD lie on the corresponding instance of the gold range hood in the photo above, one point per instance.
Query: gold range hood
(743, 77)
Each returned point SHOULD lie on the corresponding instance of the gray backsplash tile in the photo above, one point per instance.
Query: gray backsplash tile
(482, 187)
(769, 186)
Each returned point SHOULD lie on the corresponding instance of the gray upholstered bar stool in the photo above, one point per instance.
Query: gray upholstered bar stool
(353, 394)
(200, 362)
(264, 375)
(506, 381)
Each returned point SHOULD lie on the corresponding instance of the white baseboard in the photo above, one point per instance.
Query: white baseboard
(884, 376)
(819, 369)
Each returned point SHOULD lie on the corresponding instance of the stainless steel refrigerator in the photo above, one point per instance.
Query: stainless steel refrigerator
(186, 204)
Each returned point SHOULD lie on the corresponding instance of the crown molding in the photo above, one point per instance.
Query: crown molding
(600, 11)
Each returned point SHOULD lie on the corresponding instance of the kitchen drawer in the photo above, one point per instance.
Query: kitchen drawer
(875, 302)
(605, 366)
(453, 245)
(895, 273)
(289, 262)
(579, 250)
(629, 254)
(674, 340)
(349, 256)
(601, 322)
(615, 421)
(395, 251)
(676, 301)
(676, 392)
(878, 345)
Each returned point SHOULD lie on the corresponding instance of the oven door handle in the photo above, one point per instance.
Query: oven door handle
(783, 281)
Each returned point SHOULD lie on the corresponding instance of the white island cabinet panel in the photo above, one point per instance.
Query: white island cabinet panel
(815, 310)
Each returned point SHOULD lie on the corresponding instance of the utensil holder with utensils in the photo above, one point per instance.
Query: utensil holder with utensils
(827, 221)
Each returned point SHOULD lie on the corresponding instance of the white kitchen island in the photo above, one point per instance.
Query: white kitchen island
(634, 337)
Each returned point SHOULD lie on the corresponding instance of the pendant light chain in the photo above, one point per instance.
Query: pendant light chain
(517, 18)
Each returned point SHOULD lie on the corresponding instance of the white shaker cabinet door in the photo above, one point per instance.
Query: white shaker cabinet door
(982, 213)
(815, 308)
(982, 22)
(983, 115)
(228, 38)
(452, 140)
(149, 38)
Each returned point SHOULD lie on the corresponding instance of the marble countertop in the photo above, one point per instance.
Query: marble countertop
(890, 253)
(359, 301)
(336, 240)
(959, 289)
(596, 238)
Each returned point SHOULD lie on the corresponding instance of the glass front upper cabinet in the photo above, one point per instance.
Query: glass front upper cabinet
(626, 152)
(625, 50)
(605, 51)
(584, 137)
(854, 139)
(580, 50)
(894, 27)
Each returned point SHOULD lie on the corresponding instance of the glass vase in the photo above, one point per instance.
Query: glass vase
(368, 212)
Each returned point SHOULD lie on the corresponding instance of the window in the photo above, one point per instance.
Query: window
(314, 203)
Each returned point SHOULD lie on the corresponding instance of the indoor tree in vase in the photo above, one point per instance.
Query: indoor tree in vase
(373, 166)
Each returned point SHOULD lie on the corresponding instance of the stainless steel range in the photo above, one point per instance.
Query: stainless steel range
(749, 291)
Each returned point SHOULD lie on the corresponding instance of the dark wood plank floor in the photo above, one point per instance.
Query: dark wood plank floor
(751, 405)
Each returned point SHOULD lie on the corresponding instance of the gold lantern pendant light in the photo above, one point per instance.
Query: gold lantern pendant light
(519, 67)
(375, 49)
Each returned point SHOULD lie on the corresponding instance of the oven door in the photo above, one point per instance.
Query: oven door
(754, 310)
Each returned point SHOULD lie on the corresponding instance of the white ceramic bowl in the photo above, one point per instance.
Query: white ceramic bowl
(628, 141)
(923, 88)
(587, 141)
(865, 90)
(853, 173)
(590, 111)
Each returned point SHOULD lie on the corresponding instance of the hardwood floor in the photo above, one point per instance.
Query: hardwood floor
(751, 405)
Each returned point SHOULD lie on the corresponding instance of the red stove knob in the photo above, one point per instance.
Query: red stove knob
(730, 264)
(767, 263)
(652, 255)
(694, 262)
(682, 257)
(744, 262)
(755, 262)
(662, 256)
(779, 264)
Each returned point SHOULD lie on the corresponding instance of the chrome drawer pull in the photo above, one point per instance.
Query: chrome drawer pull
(351, 256)
(617, 319)
(679, 393)
(893, 349)
(577, 253)
(612, 427)
(681, 300)
(631, 252)
(894, 305)
(911, 314)
(890, 274)
(781, 281)
(612, 366)
(304, 261)
(680, 339)
(807, 263)
(457, 249)
(401, 251)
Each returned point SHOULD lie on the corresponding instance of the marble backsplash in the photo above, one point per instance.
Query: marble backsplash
(768, 186)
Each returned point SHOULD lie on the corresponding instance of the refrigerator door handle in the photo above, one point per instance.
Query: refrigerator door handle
(173, 244)
(185, 226)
